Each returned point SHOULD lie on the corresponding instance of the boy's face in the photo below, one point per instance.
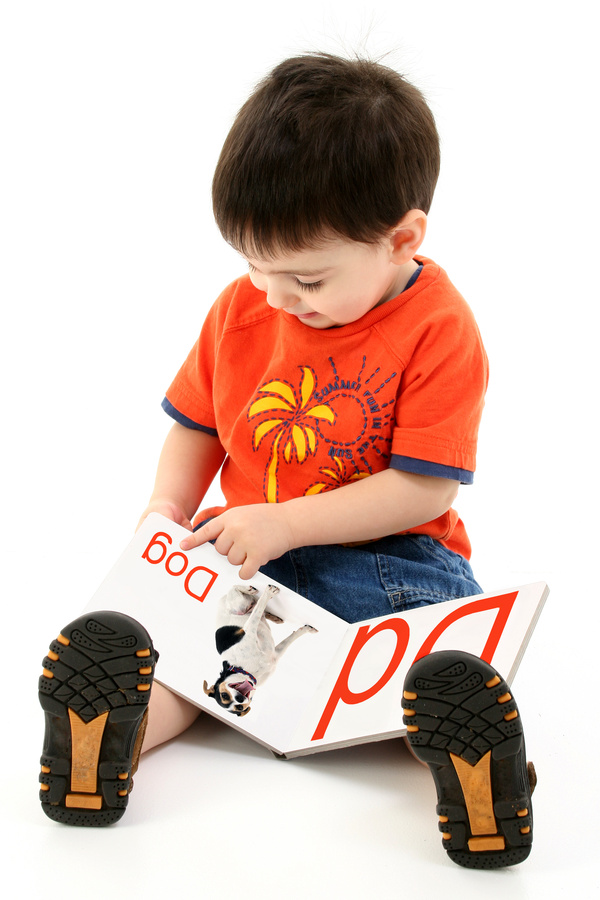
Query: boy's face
(330, 286)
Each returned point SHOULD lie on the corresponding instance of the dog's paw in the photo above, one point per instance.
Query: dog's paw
(312, 629)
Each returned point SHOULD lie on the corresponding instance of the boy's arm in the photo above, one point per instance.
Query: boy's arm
(189, 461)
(382, 504)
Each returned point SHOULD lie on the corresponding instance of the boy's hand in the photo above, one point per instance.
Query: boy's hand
(169, 510)
(249, 536)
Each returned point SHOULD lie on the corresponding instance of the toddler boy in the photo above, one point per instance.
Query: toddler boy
(338, 386)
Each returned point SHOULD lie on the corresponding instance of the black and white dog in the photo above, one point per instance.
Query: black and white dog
(246, 646)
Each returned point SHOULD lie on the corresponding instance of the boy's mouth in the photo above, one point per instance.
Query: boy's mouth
(309, 318)
(301, 315)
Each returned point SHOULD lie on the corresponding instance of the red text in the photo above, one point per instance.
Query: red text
(341, 692)
(176, 564)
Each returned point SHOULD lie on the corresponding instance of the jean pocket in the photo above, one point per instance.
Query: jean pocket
(409, 583)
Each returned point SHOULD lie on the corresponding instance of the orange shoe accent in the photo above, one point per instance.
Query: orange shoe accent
(408, 695)
(63, 640)
(504, 698)
(143, 652)
(146, 671)
(410, 712)
(481, 844)
(525, 830)
(46, 770)
(86, 740)
(412, 728)
(47, 674)
(522, 812)
(143, 687)
(122, 776)
(493, 682)
(83, 801)
(444, 819)
(52, 655)
(476, 785)
(512, 715)
(44, 787)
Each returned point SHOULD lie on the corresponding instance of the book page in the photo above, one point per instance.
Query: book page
(340, 684)
(176, 597)
(360, 698)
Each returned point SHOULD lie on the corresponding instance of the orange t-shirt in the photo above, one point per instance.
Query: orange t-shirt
(301, 410)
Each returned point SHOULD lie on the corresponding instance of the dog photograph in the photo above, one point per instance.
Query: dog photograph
(245, 643)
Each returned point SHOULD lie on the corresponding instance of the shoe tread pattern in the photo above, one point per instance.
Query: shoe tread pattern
(93, 669)
(456, 713)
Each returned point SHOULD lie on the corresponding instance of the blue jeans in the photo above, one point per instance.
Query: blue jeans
(390, 575)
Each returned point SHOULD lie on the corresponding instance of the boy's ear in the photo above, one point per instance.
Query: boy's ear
(407, 236)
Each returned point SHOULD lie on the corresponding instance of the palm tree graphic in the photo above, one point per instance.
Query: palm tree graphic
(333, 476)
(291, 428)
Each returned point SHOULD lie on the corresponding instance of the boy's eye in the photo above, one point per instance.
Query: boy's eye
(310, 285)
(305, 285)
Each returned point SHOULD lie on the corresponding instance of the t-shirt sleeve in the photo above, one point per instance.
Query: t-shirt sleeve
(189, 398)
(441, 399)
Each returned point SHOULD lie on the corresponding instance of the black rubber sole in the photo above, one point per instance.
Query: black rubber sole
(464, 723)
(94, 691)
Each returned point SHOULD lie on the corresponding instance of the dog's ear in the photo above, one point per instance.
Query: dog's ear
(227, 636)
(209, 691)
(244, 712)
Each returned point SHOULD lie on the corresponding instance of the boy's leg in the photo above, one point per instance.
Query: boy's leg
(168, 716)
(94, 690)
(463, 722)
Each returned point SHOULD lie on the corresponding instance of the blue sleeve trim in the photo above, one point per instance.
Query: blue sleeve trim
(422, 467)
(183, 420)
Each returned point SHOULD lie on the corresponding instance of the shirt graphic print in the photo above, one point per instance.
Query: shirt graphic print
(341, 424)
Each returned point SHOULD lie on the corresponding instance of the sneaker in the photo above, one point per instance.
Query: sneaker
(94, 690)
(463, 722)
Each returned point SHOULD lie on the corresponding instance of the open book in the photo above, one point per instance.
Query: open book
(328, 685)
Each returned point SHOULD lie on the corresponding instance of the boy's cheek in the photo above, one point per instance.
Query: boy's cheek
(258, 281)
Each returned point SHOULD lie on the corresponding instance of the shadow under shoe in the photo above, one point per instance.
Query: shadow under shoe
(463, 722)
(94, 689)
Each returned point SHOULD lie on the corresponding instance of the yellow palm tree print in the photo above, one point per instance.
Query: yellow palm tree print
(291, 428)
(334, 476)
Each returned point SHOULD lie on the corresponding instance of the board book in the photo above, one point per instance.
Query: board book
(337, 684)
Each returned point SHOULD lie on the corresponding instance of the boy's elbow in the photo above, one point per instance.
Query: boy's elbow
(446, 493)
(434, 495)
(451, 492)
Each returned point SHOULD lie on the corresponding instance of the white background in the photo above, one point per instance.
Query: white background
(112, 117)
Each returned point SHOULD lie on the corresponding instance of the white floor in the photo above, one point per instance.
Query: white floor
(113, 116)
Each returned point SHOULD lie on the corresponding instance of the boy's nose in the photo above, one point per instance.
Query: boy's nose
(280, 298)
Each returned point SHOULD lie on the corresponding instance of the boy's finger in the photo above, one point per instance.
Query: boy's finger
(248, 570)
(201, 536)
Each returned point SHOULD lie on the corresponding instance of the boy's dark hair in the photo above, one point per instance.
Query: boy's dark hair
(324, 147)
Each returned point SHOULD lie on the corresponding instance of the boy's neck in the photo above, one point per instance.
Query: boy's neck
(403, 276)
